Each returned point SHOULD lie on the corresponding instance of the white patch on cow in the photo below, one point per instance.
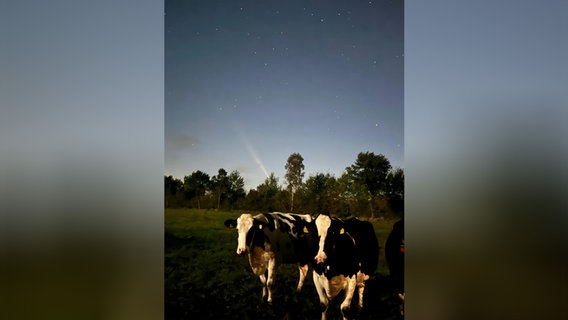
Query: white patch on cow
(303, 273)
(323, 223)
(305, 217)
(361, 278)
(288, 222)
(328, 289)
(244, 223)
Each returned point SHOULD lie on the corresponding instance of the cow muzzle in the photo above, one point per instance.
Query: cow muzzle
(320, 258)
(241, 251)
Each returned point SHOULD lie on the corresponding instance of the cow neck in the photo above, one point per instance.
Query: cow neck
(352, 238)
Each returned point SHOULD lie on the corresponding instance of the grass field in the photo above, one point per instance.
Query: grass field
(206, 279)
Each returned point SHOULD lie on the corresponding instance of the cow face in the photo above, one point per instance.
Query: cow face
(322, 224)
(332, 237)
(245, 226)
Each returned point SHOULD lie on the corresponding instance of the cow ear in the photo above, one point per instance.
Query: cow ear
(231, 223)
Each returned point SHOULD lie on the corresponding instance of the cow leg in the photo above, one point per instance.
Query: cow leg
(324, 301)
(401, 305)
(263, 282)
(303, 273)
(270, 278)
(360, 291)
(361, 278)
(350, 290)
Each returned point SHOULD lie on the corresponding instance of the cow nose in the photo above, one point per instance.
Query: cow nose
(240, 251)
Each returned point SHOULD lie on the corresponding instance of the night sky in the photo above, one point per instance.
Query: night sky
(247, 83)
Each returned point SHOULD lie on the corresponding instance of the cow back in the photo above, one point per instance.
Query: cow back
(366, 244)
(291, 237)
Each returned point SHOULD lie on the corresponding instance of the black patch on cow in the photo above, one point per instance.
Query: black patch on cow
(353, 249)
(394, 254)
(339, 248)
(278, 222)
(367, 244)
(306, 245)
(271, 221)
(256, 236)
(282, 226)
(302, 227)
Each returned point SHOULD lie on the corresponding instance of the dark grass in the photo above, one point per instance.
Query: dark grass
(206, 279)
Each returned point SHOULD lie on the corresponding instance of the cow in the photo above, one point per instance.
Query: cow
(348, 254)
(394, 254)
(271, 239)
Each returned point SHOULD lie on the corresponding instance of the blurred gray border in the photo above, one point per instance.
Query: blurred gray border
(81, 159)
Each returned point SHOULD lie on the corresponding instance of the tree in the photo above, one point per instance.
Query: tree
(371, 171)
(235, 188)
(172, 188)
(268, 191)
(220, 183)
(294, 175)
(395, 189)
(318, 191)
(352, 192)
(253, 200)
(196, 185)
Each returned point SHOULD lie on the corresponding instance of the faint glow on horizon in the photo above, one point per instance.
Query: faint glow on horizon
(244, 139)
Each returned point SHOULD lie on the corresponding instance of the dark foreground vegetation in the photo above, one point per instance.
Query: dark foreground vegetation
(206, 279)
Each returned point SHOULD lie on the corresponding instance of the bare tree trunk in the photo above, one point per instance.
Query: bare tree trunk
(371, 206)
(219, 200)
(292, 202)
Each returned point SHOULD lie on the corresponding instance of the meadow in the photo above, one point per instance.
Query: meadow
(205, 278)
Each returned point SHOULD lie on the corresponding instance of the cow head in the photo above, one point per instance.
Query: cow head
(331, 234)
(323, 223)
(246, 226)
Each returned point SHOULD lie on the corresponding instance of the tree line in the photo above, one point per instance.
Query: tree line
(369, 187)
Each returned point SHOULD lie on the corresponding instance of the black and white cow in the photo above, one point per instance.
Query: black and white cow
(394, 254)
(348, 254)
(271, 239)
